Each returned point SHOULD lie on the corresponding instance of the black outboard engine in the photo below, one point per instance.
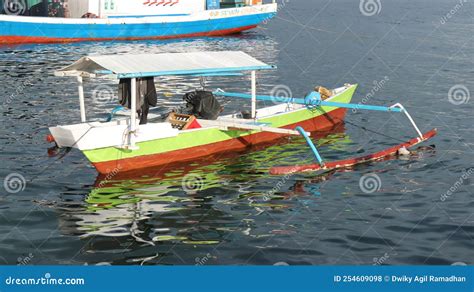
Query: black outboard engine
(202, 104)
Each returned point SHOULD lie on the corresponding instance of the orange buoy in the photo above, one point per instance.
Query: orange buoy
(50, 138)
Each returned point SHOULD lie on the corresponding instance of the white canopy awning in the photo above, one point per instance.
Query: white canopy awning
(151, 65)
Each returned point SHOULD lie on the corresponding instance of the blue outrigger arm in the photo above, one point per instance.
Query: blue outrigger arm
(311, 145)
(313, 100)
(113, 112)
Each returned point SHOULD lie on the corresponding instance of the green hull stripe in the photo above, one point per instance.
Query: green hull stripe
(207, 136)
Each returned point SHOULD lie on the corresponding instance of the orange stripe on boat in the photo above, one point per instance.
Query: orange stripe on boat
(46, 40)
(319, 123)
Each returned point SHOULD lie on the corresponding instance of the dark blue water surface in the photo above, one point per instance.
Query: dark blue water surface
(227, 209)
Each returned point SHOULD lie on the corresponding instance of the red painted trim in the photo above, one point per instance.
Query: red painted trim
(319, 123)
(281, 170)
(160, 172)
(45, 40)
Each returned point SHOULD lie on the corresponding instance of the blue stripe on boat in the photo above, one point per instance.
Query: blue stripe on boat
(141, 30)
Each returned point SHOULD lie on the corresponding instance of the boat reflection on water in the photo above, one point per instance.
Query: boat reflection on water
(196, 204)
(171, 214)
(151, 213)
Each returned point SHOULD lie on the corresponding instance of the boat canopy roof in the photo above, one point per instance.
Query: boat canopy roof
(153, 65)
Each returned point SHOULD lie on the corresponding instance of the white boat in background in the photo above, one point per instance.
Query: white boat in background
(47, 21)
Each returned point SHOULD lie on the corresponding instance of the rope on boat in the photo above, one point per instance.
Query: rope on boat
(373, 131)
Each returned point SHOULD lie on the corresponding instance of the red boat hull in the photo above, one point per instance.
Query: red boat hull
(320, 123)
(47, 40)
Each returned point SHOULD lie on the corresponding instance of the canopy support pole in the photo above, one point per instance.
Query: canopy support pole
(80, 88)
(133, 115)
(254, 94)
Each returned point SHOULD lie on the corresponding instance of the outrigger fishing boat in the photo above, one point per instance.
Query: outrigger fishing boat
(123, 144)
(48, 21)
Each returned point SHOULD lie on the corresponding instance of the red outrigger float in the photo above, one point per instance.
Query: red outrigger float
(314, 100)
(282, 170)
